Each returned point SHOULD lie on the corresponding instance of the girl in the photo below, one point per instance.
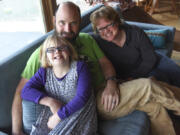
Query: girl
(63, 86)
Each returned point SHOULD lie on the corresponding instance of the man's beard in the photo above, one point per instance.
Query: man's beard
(72, 38)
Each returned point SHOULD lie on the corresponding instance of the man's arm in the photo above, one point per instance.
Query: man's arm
(17, 109)
(110, 95)
(32, 66)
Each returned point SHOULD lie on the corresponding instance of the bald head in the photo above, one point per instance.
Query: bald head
(69, 6)
(67, 20)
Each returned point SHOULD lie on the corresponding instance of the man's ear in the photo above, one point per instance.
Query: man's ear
(54, 20)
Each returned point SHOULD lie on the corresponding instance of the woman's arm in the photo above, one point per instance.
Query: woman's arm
(148, 55)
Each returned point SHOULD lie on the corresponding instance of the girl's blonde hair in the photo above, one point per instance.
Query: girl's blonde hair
(107, 13)
(54, 41)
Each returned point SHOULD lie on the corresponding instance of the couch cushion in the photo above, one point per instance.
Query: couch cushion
(136, 123)
(157, 37)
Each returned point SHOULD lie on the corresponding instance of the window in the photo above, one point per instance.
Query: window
(21, 22)
(20, 15)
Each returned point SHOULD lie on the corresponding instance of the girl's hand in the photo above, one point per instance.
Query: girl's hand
(52, 103)
(53, 121)
(55, 105)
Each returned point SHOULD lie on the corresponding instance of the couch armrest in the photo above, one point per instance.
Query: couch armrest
(10, 76)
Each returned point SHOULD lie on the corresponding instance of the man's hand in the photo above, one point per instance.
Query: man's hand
(110, 96)
(53, 121)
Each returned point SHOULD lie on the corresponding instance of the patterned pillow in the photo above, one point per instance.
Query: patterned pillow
(157, 37)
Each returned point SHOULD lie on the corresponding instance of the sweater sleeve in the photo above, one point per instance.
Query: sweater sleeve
(82, 95)
(33, 89)
(148, 55)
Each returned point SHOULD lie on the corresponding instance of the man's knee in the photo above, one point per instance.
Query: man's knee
(30, 114)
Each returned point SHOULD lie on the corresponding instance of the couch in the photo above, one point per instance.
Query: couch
(11, 68)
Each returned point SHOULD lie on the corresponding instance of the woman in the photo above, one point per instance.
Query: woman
(63, 86)
(133, 56)
(130, 50)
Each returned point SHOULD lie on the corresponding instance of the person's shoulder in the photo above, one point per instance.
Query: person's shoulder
(129, 26)
(42, 69)
(84, 36)
(132, 29)
(95, 35)
(37, 51)
(35, 54)
(86, 39)
(81, 64)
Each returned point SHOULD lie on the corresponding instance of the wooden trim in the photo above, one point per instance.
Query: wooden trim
(48, 7)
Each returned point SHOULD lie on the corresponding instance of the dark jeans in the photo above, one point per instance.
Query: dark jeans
(167, 70)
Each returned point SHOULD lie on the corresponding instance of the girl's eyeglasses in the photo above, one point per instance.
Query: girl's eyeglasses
(59, 48)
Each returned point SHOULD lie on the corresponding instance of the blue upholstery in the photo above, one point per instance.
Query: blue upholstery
(157, 37)
(11, 69)
(135, 123)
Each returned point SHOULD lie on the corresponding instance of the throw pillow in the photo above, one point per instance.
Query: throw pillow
(157, 37)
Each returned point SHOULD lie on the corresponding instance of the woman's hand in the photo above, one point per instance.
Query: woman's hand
(110, 96)
(53, 121)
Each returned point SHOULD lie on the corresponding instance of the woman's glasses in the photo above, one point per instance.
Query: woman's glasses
(59, 48)
(100, 30)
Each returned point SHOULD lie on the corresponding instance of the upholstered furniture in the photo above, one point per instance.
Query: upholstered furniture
(11, 69)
